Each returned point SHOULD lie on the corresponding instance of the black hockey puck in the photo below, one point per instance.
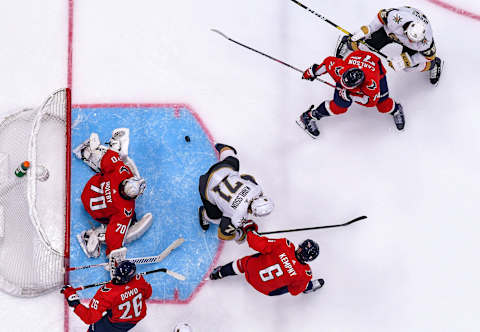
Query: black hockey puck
(187, 139)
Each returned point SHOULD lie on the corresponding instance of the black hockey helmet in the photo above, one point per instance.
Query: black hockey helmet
(352, 78)
(124, 272)
(307, 251)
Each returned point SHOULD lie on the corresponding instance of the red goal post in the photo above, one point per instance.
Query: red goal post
(34, 212)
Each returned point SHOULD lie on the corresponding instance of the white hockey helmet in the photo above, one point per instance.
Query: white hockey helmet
(416, 31)
(182, 327)
(133, 187)
(261, 206)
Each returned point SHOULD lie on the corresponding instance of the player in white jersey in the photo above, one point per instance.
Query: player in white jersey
(229, 197)
(406, 26)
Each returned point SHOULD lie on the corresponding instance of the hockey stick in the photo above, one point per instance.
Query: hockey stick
(139, 260)
(173, 274)
(318, 227)
(339, 28)
(268, 56)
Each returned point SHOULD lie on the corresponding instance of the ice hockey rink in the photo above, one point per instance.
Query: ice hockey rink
(411, 266)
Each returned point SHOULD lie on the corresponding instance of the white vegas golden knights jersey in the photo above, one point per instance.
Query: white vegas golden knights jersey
(396, 18)
(231, 193)
(393, 21)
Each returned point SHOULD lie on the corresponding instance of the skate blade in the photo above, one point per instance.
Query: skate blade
(304, 129)
(441, 73)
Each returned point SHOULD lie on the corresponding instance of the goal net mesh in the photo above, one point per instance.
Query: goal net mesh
(33, 212)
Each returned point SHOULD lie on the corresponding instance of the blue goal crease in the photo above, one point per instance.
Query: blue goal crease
(171, 167)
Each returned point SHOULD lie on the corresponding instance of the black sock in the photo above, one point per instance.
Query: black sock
(227, 270)
(320, 112)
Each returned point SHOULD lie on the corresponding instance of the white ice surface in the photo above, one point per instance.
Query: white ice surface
(412, 266)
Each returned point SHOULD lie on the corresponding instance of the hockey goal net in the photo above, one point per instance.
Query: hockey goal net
(32, 209)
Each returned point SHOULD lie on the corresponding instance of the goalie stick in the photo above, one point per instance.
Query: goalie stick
(139, 260)
(173, 274)
(318, 227)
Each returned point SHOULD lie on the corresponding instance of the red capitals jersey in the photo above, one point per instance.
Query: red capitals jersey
(101, 197)
(372, 67)
(126, 302)
(275, 267)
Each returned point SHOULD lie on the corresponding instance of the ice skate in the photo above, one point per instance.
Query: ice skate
(399, 117)
(436, 71)
(215, 275)
(308, 123)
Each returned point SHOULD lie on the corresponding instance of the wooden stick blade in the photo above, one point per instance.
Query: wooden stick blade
(175, 275)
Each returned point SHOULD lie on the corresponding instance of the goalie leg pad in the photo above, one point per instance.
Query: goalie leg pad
(139, 228)
(89, 243)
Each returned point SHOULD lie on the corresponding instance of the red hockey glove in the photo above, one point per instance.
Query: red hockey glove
(249, 226)
(309, 74)
(70, 295)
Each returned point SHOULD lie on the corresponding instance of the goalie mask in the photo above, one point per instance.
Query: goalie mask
(132, 187)
(416, 31)
(261, 206)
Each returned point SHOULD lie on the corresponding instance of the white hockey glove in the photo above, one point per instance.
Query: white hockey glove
(362, 33)
(120, 141)
(91, 152)
(400, 62)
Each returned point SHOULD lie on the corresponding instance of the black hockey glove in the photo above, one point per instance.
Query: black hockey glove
(70, 295)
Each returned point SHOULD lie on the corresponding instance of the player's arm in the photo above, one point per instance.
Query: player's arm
(91, 314)
(260, 243)
(147, 289)
(421, 61)
(111, 161)
(117, 230)
(376, 24)
(301, 283)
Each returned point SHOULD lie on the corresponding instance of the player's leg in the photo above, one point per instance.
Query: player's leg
(435, 70)
(387, 105)
(230, 269)
(340, 104)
